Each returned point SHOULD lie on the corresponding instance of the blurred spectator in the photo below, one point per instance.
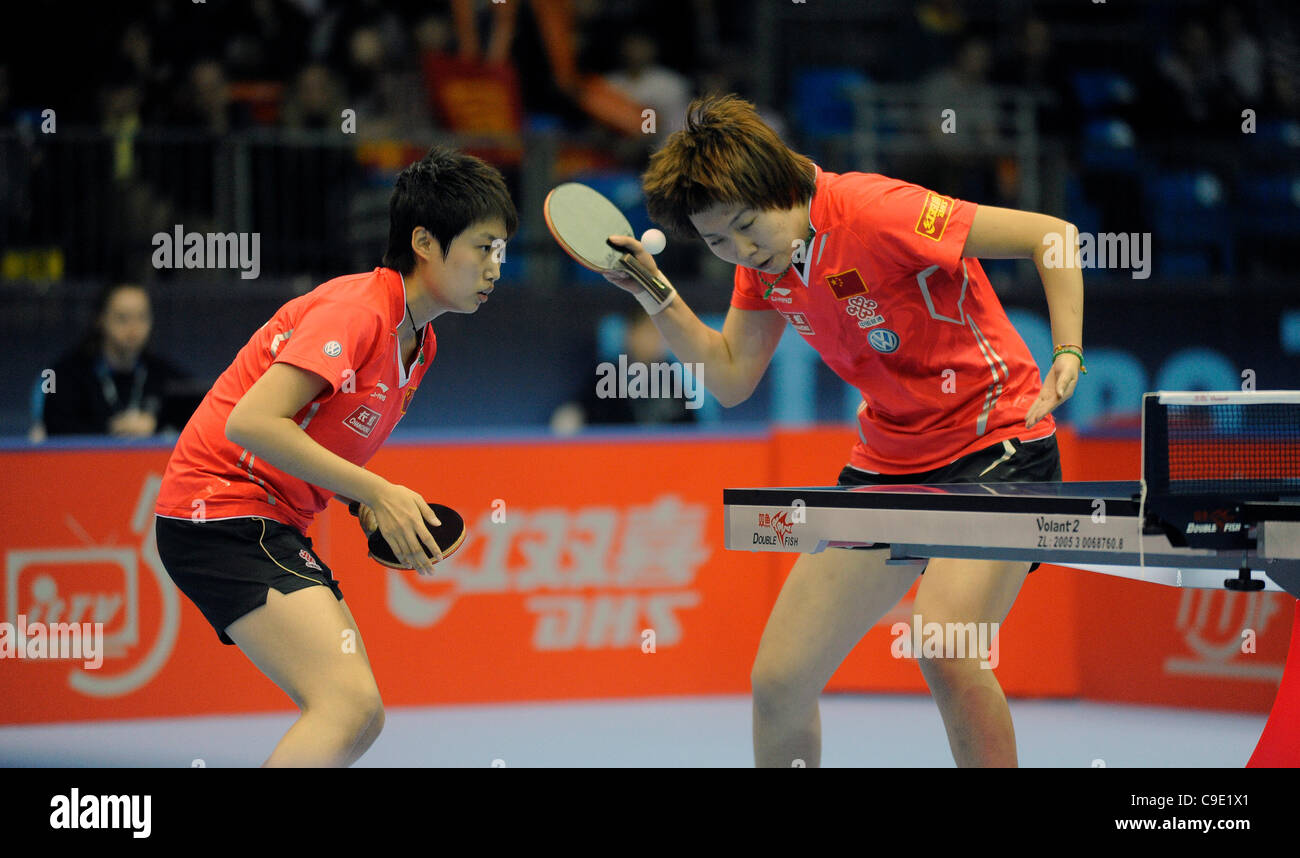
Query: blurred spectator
(332, 37)
(1190, 85)
(384, 87)
(205, 101)
(110, 383)
(137, 64)
(316, 100)
(643, 80)
(433, 34)
(266, 39)
(365, 60)
(1243, 58)
(642, 343)
(127, 210)
(1031, 64)
(960, 160)
(929, 38)
(964, 88)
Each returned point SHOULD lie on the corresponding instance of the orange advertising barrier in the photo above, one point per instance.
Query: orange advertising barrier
(593, 569)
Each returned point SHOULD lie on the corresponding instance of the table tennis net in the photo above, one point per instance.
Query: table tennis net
(1236, 447)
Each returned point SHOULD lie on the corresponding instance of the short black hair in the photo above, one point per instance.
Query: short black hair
(444, 192)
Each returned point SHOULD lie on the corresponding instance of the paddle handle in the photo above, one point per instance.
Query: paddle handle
(658, 289)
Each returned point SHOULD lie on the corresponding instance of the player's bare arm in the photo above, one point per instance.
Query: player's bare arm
(998, 233)
(734, 358)
(262, 423)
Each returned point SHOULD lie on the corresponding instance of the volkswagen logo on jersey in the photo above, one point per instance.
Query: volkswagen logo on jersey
(333, 349)
(883, 340)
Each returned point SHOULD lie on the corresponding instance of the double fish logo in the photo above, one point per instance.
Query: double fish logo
(782, 526)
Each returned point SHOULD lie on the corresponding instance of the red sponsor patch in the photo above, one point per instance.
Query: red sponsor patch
(934, 215)
(846, 284)
(362, 421)
(799, 321)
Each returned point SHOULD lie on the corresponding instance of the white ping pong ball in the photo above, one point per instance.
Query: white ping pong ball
(653, 241)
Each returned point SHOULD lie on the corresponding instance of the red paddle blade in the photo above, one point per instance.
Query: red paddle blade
(449, 536)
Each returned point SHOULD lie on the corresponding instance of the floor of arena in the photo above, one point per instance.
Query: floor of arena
(857, 731)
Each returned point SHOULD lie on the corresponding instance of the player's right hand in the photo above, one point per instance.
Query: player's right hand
(626, 281)
(404, 518)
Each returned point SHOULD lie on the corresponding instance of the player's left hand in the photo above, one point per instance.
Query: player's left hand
(1057, 387)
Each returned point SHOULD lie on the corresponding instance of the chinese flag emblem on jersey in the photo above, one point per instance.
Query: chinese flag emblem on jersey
(846, 284)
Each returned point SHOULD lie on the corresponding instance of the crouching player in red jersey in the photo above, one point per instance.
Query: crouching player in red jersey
(881, 277)
(293, 421)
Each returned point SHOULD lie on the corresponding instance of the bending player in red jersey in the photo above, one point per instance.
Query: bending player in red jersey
(292, 423)
(882, 278)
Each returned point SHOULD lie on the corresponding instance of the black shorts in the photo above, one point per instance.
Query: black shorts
(227, 567)
(1013, 461)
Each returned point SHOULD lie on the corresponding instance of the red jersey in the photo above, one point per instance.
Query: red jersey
(886, 298)
(344, 331)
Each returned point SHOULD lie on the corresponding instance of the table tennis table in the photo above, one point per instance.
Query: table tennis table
(1218, 507)
(1093, 526)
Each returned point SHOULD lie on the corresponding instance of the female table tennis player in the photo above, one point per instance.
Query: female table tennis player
(293, 421)
(881, 277)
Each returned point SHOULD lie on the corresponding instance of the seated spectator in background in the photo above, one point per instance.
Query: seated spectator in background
(643, 80)
(928, 37)
(1190, 95)
(316, 100)
(205, 102)
(642, 344)
(963, 87)
(384, 86)
(963, 143)
(1030, 61)
(110, 383)
(1243, 57)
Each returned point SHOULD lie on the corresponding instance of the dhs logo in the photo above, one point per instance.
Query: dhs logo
(883, 340)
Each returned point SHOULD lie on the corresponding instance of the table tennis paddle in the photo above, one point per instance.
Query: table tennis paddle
(582, 220)
(449, 535)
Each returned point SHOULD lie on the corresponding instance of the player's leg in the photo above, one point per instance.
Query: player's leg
(376, 726)
(301, 642)
(828, 602)
(974, 709)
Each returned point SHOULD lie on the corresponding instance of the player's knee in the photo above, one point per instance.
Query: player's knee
(952, 673)
(358, 709)
(778, 685)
